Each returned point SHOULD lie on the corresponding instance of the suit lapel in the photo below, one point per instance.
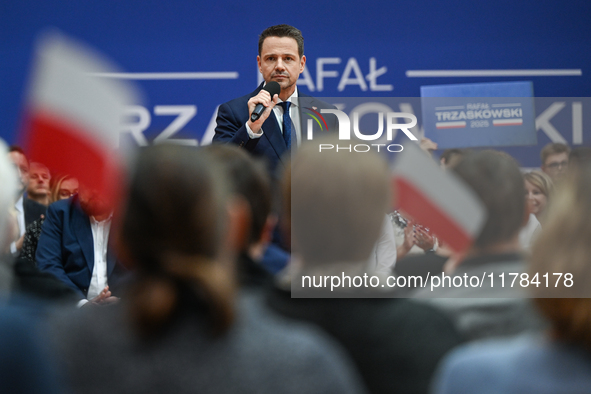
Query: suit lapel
(83, 231)
(274, 135)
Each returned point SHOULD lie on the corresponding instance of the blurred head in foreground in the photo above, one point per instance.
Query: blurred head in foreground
(564, 247)
(8, 192)
(249, 179)
(538, 188)
(174, 233)
(450, 157)
(495, 178)
(338, 202)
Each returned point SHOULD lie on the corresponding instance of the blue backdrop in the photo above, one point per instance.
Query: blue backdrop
(353, 49)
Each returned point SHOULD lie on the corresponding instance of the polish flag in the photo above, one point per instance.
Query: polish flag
(72, 119)
(437, 199)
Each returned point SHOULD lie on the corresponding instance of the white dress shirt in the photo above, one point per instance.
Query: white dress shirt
(383, 256)
(100, 237)
(20, 209)
(294, 113)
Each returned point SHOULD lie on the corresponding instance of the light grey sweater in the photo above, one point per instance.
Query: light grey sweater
(260, 354)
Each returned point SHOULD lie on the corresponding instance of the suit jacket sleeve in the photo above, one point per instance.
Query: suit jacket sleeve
(231, 129)
(49, 248)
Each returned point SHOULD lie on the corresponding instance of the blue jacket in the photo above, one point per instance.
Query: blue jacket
(66, 248)
(231, 127)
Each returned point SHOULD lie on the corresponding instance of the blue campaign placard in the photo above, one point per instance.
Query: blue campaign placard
(479, 115)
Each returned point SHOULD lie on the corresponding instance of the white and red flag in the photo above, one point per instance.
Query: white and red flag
(72, 119)
(437, 199)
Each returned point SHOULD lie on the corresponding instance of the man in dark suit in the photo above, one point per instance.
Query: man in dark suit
(281, 59)
(74, 247)
(285, 122)
(396, 344)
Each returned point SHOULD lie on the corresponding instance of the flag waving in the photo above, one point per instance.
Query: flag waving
(72, 118)
(437, 199)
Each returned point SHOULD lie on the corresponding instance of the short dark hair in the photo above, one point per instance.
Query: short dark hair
(248, 178)
(283, 31)
(553, 148)
(495, 178)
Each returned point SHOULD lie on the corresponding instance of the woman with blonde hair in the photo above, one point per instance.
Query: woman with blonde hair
(539, 188)
(559, 278)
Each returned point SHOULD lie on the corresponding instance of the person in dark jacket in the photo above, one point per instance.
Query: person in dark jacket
(336, 202)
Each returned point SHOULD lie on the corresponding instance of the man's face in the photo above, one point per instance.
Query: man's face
(92, 203)
(280, 61)
(556, 165)
(39, 178)
(22, 165)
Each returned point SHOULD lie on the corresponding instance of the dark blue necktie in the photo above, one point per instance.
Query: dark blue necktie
(286, 123)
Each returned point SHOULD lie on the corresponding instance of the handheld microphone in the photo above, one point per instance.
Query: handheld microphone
(273, 88)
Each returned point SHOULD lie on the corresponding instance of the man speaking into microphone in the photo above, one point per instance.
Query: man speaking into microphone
(268, 122)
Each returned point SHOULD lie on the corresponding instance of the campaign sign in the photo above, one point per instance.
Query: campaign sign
(479, 115)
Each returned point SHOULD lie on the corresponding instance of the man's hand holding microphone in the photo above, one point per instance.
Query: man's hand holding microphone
(260, 106)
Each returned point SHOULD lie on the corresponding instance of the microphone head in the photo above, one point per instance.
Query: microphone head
(273, 88)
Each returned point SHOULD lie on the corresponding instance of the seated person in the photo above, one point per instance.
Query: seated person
(39, 180)
(30, 280)
(538, 188)
(74, 247)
